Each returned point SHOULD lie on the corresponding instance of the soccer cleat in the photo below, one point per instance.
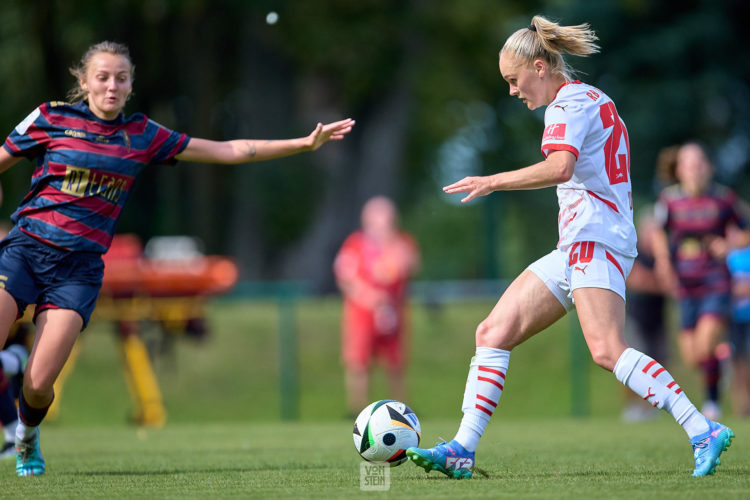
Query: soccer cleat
(8, 450)
(449, 458)
(29, 461)
(708, 446)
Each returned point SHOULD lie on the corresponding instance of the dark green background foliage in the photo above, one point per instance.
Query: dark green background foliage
(420, 77)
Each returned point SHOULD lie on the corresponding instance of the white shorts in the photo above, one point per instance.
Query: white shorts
(584, 264)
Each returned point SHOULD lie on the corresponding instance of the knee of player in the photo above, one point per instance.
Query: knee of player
(492, 333)
(604, 356)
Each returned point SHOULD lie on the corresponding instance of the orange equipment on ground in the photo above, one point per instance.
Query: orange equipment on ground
(168, 284)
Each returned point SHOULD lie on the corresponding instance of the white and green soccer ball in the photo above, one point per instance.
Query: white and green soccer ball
(384, 430)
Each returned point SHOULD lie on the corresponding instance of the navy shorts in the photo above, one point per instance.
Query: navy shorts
(51, 278)
(714, 304)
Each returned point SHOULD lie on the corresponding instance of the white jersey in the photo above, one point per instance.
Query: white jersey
(596, 203)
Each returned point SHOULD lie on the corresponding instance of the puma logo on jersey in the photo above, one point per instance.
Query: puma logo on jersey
(582, 269)
(561, 107)
(456, 463)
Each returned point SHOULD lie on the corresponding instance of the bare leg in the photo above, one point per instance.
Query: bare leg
(8, 315)
(526, 308)
(57, 331)
(357, 388)
(602, 316)
(396, 385)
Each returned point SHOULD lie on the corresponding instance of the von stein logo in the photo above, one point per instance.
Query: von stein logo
(82, 182)
(374, 477)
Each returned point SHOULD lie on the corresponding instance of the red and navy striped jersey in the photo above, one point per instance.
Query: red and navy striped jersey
(85, 168)
(691, 222)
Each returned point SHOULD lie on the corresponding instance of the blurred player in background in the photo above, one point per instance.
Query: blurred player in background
(645, 324)
(690, 254)
(372, 271)
(587, 156)
(87, 156)
(738, 261)
(13, 360)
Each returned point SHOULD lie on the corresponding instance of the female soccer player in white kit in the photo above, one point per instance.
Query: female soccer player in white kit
(586, 150)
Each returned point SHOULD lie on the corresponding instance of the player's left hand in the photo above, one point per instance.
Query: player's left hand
(330, 132)
(475, 186)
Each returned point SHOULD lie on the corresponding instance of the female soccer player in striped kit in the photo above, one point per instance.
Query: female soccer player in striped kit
(87, 157)
(586, 151)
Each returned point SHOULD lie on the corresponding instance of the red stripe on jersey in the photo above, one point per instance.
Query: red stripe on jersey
(648, 366)
(159, 138)
(37, 134)
(491, 381)
(657, 372)
(13, 148)
(607, 202)
(82, 145)
(95, 204)
(559, 147)
(678, 391)
(176, 149)
(487, 400)
(490, 370)
(671, 384)
(134, 127)
(72, 226)
(480, 407)
(612, 259)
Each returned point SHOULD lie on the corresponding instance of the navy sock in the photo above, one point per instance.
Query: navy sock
(711, 375)
(31, 417)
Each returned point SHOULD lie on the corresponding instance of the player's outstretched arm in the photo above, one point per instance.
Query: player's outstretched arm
(247, 150)
(556, 169)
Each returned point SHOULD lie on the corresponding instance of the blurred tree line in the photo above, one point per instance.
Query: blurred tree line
(421, 79)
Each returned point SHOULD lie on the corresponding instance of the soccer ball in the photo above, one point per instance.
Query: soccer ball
(384, 430)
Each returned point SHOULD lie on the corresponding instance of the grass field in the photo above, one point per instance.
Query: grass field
(559, 458)
(223, 437)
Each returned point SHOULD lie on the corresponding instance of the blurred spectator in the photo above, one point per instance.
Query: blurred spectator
(645, 327)
(372, 270)
(690, 254)
(738, 261)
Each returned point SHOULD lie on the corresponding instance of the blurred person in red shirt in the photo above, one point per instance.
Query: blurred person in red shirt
(372, 270)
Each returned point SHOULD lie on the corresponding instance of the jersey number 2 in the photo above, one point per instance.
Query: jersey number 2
(617, 165)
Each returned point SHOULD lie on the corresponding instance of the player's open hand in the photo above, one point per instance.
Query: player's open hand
(330, 132)
(475, 186)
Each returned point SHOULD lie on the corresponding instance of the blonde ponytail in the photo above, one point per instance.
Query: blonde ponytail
(546, 40)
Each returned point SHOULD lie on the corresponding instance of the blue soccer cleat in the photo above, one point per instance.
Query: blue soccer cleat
(449, 458)
(708, 446)
(29, 461)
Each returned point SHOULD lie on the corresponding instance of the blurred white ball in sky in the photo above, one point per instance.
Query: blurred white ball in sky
(272, 17)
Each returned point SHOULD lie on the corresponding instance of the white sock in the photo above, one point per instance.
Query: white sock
(652, 382)
(10, 431)
(24, 432)
(484, 386)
